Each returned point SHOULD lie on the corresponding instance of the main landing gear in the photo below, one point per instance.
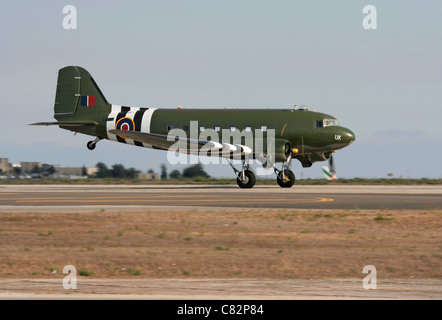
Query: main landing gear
(91, 144)
(285, 177)
(245, 178)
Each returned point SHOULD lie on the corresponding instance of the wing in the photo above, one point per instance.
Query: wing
(166, 141)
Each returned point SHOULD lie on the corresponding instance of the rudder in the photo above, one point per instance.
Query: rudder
(78, 95)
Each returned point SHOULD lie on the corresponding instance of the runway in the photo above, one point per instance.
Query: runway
(298, 197)
(215, 289)
(219, 242)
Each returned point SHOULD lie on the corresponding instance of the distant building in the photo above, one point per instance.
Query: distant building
(66, 171)
(147, 176)
(27, 167)
(27, 170)
(4, 165)
(91, 171)
(75, 171)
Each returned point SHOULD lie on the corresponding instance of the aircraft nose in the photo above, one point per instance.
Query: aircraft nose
(348, 136)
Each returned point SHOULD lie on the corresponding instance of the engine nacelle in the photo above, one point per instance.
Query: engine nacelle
(282, 150)
(308, 159)
(318, 156)
(270, 151)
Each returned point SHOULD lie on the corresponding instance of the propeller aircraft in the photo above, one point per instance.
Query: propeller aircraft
(270, 136)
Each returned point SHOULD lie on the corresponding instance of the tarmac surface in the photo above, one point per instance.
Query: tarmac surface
(298, 197)
(216, 289)
(78, 198)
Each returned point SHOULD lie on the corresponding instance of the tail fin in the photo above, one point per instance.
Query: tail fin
(329, 175)
(78, 96)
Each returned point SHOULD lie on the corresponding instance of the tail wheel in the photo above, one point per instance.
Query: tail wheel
(286, 181)
(91, 145)
(249, 180)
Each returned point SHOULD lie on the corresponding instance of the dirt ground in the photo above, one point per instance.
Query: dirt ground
(208, 243)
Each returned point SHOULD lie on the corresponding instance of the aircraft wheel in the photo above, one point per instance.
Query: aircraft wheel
(91, 145)
(286, 183)
(249, 180)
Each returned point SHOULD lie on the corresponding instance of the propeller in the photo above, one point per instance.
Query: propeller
(330, 172)
(331, 165)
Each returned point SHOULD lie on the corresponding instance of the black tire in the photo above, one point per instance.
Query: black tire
(249, 181)
(91, 145)
(284, 183)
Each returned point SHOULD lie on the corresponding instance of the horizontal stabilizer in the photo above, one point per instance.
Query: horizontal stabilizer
(66, 123)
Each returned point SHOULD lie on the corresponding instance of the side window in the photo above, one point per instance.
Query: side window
(248, 129)
(202, 128)
(263, 128)
(327, 123)
(169, 128)
(232, 129)
(217, 129)
(319, 124)
(186, 128)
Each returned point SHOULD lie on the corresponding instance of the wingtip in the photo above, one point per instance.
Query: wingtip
(40, 124)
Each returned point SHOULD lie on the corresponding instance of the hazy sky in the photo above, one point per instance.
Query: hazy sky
(384, 84)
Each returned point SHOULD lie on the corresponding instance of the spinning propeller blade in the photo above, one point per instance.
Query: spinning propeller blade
(330, 172)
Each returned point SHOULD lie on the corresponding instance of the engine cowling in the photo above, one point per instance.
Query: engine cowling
(319, 156)
(270, 151)
(283, 150)
(308, 159)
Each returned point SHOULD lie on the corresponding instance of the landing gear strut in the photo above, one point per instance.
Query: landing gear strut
(245, 178)
(285, 177)
(91, 144)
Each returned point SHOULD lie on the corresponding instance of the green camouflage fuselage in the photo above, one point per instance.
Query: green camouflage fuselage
(308, 136)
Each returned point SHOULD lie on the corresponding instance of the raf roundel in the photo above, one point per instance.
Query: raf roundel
(126, 124)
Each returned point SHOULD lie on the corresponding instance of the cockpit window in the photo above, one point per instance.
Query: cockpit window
(327, 123)
(331, 122)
